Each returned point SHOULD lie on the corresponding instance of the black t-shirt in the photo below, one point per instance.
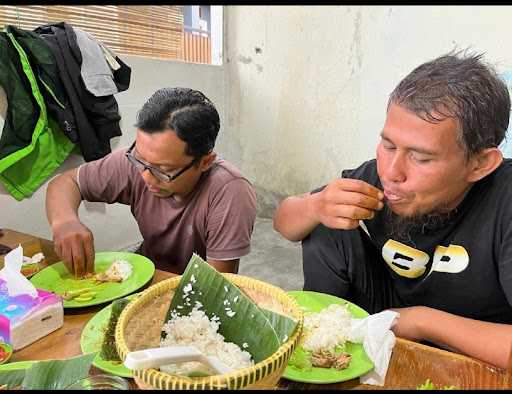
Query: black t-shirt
(462, 267)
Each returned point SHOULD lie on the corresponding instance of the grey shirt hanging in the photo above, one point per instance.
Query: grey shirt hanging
(95, 71)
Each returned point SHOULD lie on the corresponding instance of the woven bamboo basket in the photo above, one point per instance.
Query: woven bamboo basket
(139, 327)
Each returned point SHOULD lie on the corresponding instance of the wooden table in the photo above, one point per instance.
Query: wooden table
(64, 342)
(410, 364)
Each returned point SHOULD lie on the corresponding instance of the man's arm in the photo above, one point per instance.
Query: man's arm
(341, 204)
(489, 342)
(231, 220)
(230, 266)
(294, 217)
(73, 241)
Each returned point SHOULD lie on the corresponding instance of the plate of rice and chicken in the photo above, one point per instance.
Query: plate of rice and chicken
(116, 274)
(324, 355)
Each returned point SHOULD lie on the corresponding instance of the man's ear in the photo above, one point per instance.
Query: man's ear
(207, 161)
(483, 163)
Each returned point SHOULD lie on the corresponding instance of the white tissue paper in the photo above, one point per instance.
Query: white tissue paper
(11, 273)
(374, 332)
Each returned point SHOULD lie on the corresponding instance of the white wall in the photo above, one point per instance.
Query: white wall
(113, 225)
(307, 93)
(312, 100)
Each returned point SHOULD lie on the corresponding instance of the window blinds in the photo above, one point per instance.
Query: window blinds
(151, 31)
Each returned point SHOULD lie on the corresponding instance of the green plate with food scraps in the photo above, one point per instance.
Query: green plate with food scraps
(92, 338)
(57, 279)
(360, 363)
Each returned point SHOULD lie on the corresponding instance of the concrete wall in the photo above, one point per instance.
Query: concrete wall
(308, 86)
(112, 225)
(302, 94)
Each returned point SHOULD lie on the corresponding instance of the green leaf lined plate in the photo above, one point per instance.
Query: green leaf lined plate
(57, 279)
(92, 338)
(45, 374)
(360, 363)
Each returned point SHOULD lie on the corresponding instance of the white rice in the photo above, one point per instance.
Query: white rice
(197, 330)
(120, 267)
(326, 329)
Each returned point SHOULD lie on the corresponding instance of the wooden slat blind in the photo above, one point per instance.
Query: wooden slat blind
(196, 48)
(152, 31)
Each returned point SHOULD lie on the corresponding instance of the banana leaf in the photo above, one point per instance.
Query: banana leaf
(48, 374)
(12, 378)
(260, 332)
(108, 346)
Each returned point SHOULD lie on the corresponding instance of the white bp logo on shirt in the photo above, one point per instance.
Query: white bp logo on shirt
(412, 263)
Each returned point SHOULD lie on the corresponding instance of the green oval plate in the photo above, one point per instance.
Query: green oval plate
(92, 338)
(360, 364)
(57, 279)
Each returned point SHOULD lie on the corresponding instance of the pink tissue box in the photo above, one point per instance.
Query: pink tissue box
(23, 319)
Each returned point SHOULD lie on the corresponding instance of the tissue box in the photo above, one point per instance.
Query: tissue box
(23, 319)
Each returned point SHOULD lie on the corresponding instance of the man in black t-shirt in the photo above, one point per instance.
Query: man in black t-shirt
(425, 228)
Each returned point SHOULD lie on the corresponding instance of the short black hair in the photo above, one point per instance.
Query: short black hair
(461, 86)
(186, 111)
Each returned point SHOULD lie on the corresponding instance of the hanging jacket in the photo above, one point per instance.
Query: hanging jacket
(22, 108)
(97, 118)
(32, 146)
(44, 66)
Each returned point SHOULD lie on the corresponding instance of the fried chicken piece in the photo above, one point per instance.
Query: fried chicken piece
(327, 359)
(323, 359)
(342, 361)
(104, 277)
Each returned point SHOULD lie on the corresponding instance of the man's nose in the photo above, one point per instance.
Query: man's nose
(397, 168)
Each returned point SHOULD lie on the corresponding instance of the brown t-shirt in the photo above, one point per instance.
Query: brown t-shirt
(215, 220)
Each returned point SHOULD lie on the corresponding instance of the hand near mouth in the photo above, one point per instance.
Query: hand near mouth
(343, 202)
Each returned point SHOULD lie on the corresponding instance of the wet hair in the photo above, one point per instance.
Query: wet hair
(461, 86)
(186, 111)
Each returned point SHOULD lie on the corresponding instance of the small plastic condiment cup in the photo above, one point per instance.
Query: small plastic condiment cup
(100, 382)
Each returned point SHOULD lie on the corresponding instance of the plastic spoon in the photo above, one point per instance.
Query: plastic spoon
(155, 357)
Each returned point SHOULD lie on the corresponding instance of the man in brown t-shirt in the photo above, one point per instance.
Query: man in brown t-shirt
(184, 198)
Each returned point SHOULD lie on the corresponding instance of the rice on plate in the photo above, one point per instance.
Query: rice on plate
(196, 329)
(326, 329)
(118, 271)
(323, 340)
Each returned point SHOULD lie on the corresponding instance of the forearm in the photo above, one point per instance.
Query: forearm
(63, 198)
(230, 266)
(490, 342)
(294, 217)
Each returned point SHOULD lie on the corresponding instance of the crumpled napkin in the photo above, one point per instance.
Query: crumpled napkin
(15, 281)
(374, 332)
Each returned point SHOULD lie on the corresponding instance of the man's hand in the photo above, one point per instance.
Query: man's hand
(408, 324)
(343, 202)
(74, 244)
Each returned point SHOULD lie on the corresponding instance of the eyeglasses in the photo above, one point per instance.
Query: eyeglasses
(159, 174)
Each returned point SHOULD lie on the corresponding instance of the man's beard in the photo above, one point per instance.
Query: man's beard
(402, 228)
